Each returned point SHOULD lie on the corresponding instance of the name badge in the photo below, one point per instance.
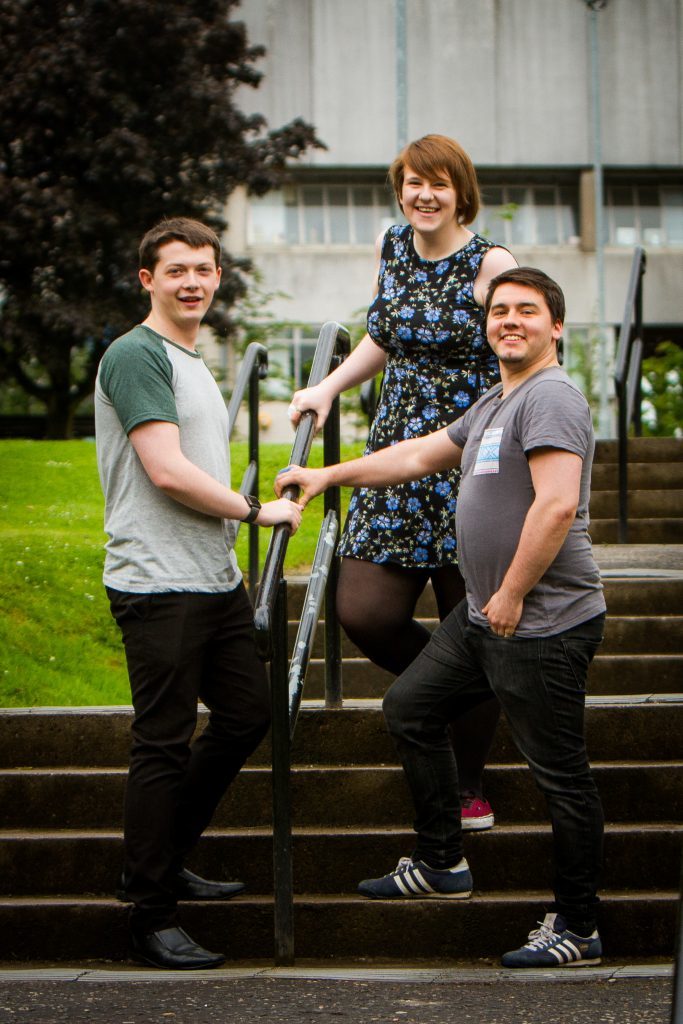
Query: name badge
(488, 456)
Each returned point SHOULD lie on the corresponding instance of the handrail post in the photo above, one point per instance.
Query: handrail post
(333, 660)
(253, 443)
(282, 807)
(627, 381)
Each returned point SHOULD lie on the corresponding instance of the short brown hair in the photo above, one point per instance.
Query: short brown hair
(532, 278)
(437, 153)
(177, 229)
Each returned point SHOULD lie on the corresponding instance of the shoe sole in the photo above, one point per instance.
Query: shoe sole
(477, 824)
(419, 896)
(552, 967)
(138, 958)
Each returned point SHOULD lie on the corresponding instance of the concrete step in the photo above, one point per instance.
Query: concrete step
(330, 795)
(641, 449)
(624, 634)
(635, 579)
(608, 675)
(332, 860)
(617, 729)
(641, 476)
(68, 928)
(642, 504)
(640, 531)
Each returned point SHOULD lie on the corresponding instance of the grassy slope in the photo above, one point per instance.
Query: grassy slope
(58, 644)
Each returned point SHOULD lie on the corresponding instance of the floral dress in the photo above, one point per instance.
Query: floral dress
(438, 363)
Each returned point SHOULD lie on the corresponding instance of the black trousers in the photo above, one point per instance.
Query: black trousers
(182, 648)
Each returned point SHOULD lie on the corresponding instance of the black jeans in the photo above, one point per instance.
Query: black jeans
(181, 648)
(540, 683)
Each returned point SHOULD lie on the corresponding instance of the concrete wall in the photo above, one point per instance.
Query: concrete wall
(509, 78)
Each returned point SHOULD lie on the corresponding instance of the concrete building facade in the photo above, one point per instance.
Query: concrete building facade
(518, 83)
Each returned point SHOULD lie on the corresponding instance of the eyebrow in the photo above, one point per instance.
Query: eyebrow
(507, 305)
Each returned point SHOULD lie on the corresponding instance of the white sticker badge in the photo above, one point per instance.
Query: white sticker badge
(488, 456)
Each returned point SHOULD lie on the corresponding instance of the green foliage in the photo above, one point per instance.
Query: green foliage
(662, 385)
(58, 642)
(114, 114)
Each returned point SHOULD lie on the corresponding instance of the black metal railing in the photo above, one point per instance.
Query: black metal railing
(270, 621)
(627, 378)
(253, 368)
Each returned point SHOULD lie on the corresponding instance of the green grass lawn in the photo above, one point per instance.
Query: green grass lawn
(58, 643)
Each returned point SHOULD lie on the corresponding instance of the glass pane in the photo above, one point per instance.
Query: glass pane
(546, 216)
(672, 215)
(267, 219)
(314, 216)
(338, 206)
(519, 213)
(623, 216)
(292, 216)
(365, 225)
(568, 214)
(651, 226)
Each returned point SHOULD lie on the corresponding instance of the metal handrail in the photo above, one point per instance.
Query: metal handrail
(315, 591)
(332, 340)
(270, 621)
(253, 368)
(627, 378)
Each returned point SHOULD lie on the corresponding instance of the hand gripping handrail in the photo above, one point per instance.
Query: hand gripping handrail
(332, 340)
(627, 376)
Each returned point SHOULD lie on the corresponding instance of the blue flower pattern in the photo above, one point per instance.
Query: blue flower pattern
(438, 362)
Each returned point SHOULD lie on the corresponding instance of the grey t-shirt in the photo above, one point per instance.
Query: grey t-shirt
(155, 543)
(496, 492)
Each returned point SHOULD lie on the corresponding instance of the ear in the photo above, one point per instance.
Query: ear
(558, 327)
(146, 279)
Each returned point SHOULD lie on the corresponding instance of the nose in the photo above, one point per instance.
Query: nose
(425, 190)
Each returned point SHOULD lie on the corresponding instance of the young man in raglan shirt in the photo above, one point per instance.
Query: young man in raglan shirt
(529, 626)
(175, 588)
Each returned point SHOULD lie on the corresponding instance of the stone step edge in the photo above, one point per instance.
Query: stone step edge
(350, 703)
(334, 832)
(490, 896)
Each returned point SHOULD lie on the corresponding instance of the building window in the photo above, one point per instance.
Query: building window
(650, 215)
(320, 215)
(528, 214)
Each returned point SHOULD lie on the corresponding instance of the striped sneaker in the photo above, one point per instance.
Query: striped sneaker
(553, 945)
(415, 880)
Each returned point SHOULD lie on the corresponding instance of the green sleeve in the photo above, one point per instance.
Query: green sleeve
(136, 376)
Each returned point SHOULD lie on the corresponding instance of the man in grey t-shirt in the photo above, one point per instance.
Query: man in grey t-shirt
(175, 589)
(529, 626)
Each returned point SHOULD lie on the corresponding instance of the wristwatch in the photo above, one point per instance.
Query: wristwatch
(254, 508)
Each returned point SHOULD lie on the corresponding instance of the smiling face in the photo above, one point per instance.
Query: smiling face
(181, 287)
(429, 202)
(520, 328)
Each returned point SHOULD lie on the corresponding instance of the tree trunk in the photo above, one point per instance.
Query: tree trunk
(60, 418)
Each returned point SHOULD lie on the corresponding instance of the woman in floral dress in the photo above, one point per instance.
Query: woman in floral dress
(426, 333)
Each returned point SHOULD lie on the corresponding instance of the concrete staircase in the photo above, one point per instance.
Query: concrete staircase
(655, 483)
(62, 773)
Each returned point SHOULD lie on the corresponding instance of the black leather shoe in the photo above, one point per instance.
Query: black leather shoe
(191, 887)
(173, 949)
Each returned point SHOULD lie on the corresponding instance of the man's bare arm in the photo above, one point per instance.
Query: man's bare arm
(157, 444)
(409, 460)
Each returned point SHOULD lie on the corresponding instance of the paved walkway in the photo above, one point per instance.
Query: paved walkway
(261, 995)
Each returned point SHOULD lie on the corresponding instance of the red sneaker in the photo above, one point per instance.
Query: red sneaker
(476, 814)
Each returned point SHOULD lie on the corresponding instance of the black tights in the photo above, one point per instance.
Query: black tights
(376, 606)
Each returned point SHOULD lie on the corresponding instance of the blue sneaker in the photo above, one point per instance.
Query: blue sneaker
(553, 945)
(415, 880)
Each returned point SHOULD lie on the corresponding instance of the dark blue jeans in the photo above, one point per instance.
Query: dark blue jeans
(540, 683)
(182, 648)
